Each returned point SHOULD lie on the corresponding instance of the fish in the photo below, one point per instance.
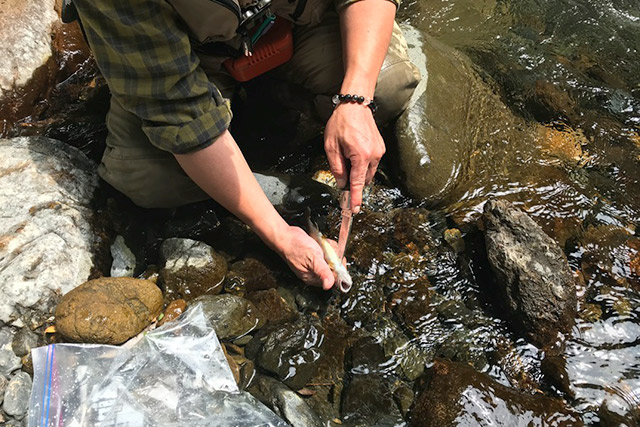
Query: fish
(343, 279)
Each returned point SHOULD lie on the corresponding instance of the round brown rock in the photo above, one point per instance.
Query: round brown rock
(109, 310)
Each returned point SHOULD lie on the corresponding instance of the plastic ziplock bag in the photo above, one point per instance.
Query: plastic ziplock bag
(176, 375)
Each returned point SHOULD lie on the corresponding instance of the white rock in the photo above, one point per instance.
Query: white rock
(25, 40)
(45, 232)
(124, 261)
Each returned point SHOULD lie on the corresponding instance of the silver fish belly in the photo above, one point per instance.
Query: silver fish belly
(343, 279)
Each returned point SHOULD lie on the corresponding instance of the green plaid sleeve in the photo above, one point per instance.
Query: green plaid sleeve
(145, 55)
(341, 4)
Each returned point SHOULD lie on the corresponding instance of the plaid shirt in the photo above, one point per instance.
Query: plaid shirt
(145, 55)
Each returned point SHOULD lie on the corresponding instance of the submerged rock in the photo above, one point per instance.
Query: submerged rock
(273, 306)
(368, 401)
(109, 310)
(535, 282)
(229, 315)
(284, 402)
(457, 395)
(46, 234)
(328, 381)
(291, 351)
(191, 268)
(256, 275)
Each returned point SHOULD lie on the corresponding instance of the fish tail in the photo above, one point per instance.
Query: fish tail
(313, 228)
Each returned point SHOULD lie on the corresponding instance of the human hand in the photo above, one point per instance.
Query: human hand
(351, 135)
(305, 258)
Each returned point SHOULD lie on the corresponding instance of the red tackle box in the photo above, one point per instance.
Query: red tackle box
(273, 49)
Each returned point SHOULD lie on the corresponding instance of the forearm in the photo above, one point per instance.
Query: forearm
(222, 172)
(366, 28)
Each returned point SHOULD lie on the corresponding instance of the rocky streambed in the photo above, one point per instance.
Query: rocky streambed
(496, 262)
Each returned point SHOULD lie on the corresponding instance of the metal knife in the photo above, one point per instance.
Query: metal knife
(345, 224)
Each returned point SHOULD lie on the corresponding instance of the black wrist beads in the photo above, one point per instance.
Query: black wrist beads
(355, 99)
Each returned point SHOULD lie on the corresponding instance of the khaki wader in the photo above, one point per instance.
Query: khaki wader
(152, 178)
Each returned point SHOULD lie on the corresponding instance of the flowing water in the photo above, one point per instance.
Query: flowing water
(570, 71)
(573, 67)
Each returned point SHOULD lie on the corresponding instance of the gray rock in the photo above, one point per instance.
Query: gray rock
(25, 31)
(451, 113)
(23, 341)
(9, 362)
(291, 351)
(3, 387)
(6, 337)
(367, 401)
(46, 237)
(410, 359)
(191, 268)
(229, 315)
(535, 282)
(292, 192)
(16, 396)
(284, 402)
(124, 261)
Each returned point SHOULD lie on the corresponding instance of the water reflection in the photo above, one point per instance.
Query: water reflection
(570, 70)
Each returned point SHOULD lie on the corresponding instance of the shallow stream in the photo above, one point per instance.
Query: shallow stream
(566, 65)
(569, 70)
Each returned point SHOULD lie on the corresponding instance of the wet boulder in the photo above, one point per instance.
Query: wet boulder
(26, 49)
(191, 268)
(291, 351)
(273, 306)
(453, 111)
(46, 234)
(256, 275)
(284, 402)
(109, 310)
(455, 394)
(368, 400)
(327, 383)
(229, 315)
(534, 280)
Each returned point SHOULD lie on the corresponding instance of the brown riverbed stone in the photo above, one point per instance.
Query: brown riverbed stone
(173, 311)
(412, 303)
(456, 394)
(192, 268)
(257, 276)
(272, 305)
(108, 310)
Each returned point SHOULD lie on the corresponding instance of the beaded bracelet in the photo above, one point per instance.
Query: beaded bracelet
(367, 102)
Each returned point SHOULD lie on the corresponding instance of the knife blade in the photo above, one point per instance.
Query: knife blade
(345, 224)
